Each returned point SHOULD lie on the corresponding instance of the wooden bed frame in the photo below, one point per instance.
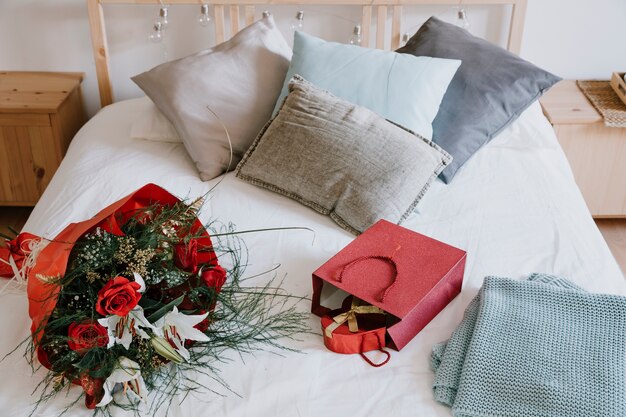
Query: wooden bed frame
(248, 8)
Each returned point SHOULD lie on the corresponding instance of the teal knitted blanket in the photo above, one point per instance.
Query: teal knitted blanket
(541, 347)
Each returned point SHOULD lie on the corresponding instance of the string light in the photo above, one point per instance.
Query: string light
(355, 39)
(461, 19)
(157, 34)
(203, 17)
(298, 22)
(163, 17)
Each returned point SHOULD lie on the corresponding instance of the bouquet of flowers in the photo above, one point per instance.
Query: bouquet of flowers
(126, 303)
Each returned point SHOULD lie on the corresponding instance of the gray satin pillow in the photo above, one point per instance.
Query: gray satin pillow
(342, 160)
(489, 91)
(239, 79)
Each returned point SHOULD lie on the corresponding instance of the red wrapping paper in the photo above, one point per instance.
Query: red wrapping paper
(52, 260)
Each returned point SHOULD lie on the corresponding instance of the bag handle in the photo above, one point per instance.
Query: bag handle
(388, 259)
(380, 348)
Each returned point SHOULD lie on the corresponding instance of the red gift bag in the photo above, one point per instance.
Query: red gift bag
(409, 276)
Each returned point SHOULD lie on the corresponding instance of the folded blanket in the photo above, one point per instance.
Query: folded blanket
(541, 347)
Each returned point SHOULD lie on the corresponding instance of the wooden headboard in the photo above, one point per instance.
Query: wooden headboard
(249, 10)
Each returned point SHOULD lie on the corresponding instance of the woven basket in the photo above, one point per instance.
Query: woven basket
(609, 104)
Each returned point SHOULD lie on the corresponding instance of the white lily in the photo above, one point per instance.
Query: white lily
(177, 327)
(139, 280)
(122, 329)
(126, 375)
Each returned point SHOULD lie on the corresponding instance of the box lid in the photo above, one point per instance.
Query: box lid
(421, 263)
(35, 92)
(566, 104)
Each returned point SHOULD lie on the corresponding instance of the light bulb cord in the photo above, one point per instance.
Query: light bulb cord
(341, 17)
(337, 16)
(447, 9)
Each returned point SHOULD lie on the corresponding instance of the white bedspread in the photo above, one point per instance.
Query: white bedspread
(514, 208)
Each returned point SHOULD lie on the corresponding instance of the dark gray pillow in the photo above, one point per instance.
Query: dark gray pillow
(340, 159)
(490, 90)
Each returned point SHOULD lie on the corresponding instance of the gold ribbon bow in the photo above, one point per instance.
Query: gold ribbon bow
(350, 317)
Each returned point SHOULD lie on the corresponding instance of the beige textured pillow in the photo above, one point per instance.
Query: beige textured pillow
(239, 79)
(342, 160)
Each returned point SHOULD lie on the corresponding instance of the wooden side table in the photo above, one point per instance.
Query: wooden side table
(596, 153)
(39, 114)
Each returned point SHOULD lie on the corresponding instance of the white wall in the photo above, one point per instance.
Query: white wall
(574, 39)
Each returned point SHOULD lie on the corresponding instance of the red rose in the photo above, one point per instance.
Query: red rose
(93, 390)
(87, 335)
(214, 277)
(186, 256)
(118, 296)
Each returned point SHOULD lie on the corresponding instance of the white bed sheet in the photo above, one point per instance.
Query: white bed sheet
(514, 207)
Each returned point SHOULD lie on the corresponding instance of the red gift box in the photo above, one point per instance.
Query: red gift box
(408, 275)
(355, 328)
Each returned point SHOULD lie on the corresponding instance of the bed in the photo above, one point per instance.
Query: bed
(515, 209)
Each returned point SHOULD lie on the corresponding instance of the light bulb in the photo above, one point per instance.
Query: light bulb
(163, 18)
(405, 38)
(461, 19)
(203, 17)
(157, 34)
(355, 39)
(266, 13)
(298, 22)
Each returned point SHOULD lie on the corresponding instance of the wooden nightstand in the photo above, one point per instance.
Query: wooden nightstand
(596, 153)
(39, 114)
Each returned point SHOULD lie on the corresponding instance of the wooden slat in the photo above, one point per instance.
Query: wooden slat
(100, 51)
(396, 27)
(45, 163)
(218, 14)
(24, 119)
(381, 23)
(249, 15)
(325, 2)
(366, 24)
(29, 165)
(18, 203)
(19, 169)
(234, 20)
(5, 171)
(518, 14)
(66, 122)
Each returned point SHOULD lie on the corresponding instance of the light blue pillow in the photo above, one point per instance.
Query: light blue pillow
(402, 88)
